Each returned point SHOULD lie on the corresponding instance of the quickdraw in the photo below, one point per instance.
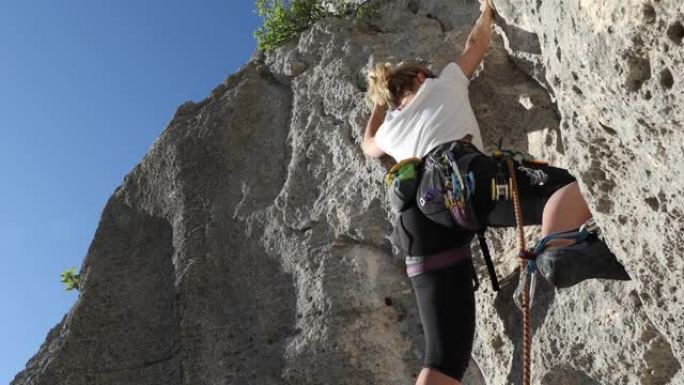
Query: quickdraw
(459, 188)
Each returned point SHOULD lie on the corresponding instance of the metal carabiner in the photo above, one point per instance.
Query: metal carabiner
(527, 279)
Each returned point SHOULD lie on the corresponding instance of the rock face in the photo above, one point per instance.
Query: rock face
(250, 245)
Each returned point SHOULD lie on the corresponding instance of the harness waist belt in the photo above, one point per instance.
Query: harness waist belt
(422, 264)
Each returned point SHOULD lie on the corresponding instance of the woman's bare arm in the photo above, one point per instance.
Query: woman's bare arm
(374, 122)
(478, 41)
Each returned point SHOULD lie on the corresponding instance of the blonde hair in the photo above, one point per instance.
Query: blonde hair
(387, 85)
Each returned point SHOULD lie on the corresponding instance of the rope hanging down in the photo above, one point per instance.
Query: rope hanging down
(523, 274)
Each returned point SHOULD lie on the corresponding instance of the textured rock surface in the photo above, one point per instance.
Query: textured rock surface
(250, 244)
(615, 69)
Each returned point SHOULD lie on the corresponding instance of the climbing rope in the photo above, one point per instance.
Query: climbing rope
(523, 254)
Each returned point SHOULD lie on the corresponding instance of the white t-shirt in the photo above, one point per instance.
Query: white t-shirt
(439, 112)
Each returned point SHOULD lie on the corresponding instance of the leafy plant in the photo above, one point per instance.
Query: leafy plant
(71, 279)
(284, 19)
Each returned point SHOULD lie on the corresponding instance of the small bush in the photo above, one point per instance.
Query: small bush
(71, 279)
(285, 19)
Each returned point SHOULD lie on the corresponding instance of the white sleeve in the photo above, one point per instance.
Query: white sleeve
(379, 137)
(452, 72)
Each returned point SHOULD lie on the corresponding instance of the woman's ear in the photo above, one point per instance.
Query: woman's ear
(421, 77)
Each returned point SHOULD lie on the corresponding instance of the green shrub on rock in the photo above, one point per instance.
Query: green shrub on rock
(71, 279)
(285, 19)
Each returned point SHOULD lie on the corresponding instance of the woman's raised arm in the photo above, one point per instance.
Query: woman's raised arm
(477, 44)
(374, 122)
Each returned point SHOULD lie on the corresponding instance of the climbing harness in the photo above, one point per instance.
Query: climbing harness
(446, 191)
(445, 195)
(488, 260)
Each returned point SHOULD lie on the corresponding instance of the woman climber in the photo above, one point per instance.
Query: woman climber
(430, 118)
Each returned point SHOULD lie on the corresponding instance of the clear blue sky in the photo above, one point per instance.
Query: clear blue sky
(85, 88)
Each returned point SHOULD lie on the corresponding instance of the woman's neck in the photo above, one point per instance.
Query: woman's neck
(406, 100)
(409, 95)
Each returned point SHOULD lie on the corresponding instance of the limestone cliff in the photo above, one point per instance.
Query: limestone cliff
(250, 245)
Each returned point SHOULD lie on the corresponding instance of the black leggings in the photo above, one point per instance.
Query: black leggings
(446, 303)
(445, 297)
